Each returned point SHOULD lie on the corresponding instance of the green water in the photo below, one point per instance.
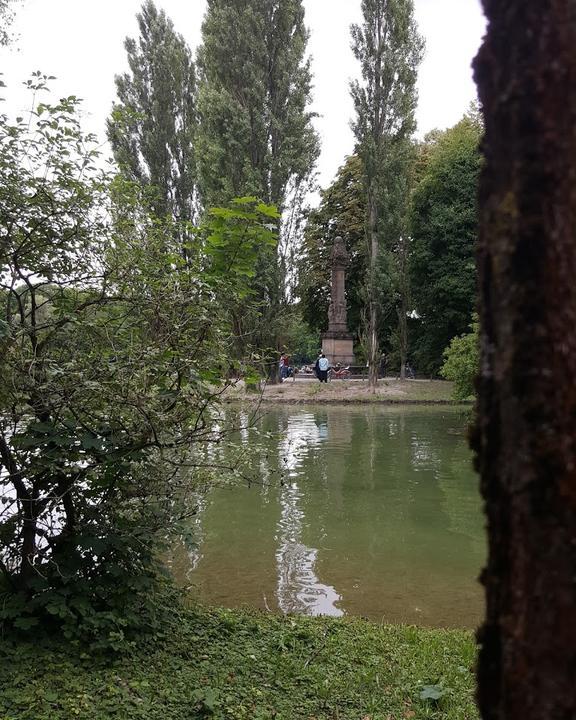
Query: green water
(361, 511)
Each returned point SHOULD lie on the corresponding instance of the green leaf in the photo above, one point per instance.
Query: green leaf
(432, 692)
(270, 211)
(91, 442)
(43, 427)
(25, 623)
(246, 200)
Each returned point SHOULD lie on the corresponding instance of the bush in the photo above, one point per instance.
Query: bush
(113, 341)
(461, 362)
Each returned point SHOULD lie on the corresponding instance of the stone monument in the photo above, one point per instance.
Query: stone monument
(337, 342)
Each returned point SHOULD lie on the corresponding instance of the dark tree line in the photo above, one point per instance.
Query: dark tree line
(440, 269)
(444, 229)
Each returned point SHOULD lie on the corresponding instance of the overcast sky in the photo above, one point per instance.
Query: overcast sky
(81, 43)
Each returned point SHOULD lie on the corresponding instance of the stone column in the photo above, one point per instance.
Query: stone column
(337, 342)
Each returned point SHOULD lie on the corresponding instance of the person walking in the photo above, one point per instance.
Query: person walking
(323, 365)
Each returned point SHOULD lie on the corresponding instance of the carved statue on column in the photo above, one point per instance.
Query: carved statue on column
(337, 342)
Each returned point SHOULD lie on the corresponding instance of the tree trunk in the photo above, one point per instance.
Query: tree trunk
(28, 549)
(526, 432)
(404, 288)
(403, 337)
(373, 347)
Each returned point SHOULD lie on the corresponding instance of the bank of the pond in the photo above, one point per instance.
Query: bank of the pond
(389, 391)
(242, 664)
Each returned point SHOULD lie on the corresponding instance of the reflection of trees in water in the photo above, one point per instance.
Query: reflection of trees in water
(299, 589)
(185, 555)
(461, 501)
(195, 536)
(390, 542)
(371, 502)
(297, 436)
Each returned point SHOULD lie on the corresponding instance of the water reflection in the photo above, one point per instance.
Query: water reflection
(300, 433)
(367, 511)
(299, 590)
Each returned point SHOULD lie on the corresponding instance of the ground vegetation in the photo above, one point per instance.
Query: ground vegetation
(238, 664)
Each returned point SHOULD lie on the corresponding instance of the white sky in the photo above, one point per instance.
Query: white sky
(81, 43)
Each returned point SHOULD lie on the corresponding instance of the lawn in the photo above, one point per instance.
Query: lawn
(389, 390)
(242, 664)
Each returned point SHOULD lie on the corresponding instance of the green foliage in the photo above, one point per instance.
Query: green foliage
(256, 135)
(389, 50)
(152, 129)
(296, 338)
(115, 350)
(230, 664)
(6, 19)
(444, 230)
(237, 236)
(256, 138)
(462, 362)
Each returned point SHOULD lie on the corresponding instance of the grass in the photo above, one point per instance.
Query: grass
(350, 391)
(243, 664)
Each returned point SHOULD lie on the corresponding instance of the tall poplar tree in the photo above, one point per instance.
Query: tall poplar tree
(6, 18)
(152, 128)
(389, 49)
(256, 134)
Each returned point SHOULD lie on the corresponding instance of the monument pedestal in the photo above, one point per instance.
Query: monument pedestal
(337, 342)
(338, 346)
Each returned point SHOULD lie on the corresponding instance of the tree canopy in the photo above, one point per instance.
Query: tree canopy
(389, 50)
(6, 18)
(153, 127)
(444, 226)
(114, 352)
(256, 134)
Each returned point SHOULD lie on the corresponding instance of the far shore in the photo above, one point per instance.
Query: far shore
(390, 391)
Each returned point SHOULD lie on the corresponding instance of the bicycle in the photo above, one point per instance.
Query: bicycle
(337, 373)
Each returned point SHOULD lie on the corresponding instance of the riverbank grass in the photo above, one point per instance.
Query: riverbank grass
(388, 391)
(229, 664)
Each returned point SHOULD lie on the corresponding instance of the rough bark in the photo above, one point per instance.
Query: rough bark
(526, 431)
(372, 329)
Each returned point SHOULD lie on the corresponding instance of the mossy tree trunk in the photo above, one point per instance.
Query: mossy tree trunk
(526, 431)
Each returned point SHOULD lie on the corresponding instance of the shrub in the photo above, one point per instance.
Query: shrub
(461, 362)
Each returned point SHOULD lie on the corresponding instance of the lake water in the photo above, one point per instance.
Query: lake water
(371, 511)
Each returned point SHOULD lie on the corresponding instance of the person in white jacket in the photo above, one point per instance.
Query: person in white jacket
(323, 365)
